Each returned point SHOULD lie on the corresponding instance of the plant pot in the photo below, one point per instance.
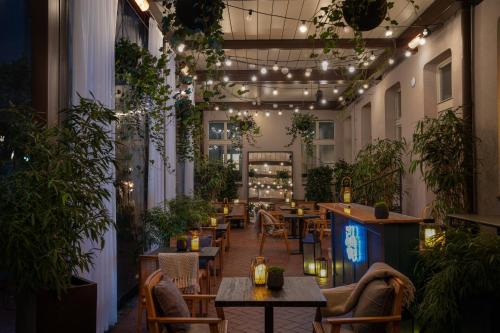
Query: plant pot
(381, 213)
(182, 245)
(275, 280)
(75, 311)
(364, 15)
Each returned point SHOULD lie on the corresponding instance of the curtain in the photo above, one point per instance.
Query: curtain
(93, 27)
(156, 172)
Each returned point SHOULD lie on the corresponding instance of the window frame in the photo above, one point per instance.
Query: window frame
(225, 143)
(444, 104)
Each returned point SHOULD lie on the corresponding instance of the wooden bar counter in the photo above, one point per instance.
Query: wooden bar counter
(359, 240)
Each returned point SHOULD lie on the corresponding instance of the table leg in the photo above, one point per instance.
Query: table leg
(269, 319)
(301, 227)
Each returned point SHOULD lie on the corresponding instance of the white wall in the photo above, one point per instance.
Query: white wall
(448, 38)
(487, 103)
(273, 138)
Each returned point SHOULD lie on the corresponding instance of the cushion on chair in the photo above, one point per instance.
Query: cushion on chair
(376, 300)
(172, 304)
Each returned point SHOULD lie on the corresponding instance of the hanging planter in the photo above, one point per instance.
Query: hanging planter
(364, 15)
(303, 125)
(198, 15)
(246, 127)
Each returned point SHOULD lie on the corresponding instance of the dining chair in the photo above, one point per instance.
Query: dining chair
(272, 227)
(322, 224)
(345, 324)
(156, 320)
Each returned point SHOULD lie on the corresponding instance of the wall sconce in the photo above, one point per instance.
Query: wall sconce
(258, 271)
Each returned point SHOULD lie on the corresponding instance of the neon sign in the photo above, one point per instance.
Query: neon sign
(354, 243)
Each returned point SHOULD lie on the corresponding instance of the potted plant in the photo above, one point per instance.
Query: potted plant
(364, 15)
(275, 279)
(55, 183)
(458, 283)
(381, 210)
(319, 184)
(303, 125)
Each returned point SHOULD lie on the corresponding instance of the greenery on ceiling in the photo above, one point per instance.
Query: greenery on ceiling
(303, 126)
(145, 92)
(439, 146)
(55, 183)
(245, 127)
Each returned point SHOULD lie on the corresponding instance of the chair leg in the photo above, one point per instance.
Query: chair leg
(285, 237)
(262, 239)
(140, 309)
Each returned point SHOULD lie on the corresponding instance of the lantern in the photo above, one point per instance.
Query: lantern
(322, 267)
(258, 271)
(300, 212)
(195, 240)
(292, 204)
(213, 221)
(346, 191)
(347, 209)
(225, 209)
(428, 232)
(311, 247)
(287, 200)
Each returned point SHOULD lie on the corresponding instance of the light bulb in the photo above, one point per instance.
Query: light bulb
(307, 74)
(311, 107)
(361, 91)
(244, 87)
(284, 70)
(252, 66)
(408, 53)
(263, 70)
(254, 78)
(296, 110)
(218, 63)
(323, 101)
(324, 65)
(388, 32)
(306, 92)
(230, 110)
(268, 114)
(210, 82)
(225, 79)
(425, 33)
(181, 47)
(249, 16)
(391, 61)
(351, 69)
(280, 113)
(341, 98)
(289, 75)
(372, 56)
(142, 4)
(239, 113)
(275, 67)
(335, 91)
(195, 77)
(245, 113)
(216, 108)
(366, 86)
(366, 64)
(228, 62)
(303, 27)
(275, 92)
(422, 41)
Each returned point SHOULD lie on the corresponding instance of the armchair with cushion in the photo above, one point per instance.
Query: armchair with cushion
(373, 305)
(167, 310)
(272, 227)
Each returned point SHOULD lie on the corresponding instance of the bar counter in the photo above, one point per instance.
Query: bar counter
(359, 240)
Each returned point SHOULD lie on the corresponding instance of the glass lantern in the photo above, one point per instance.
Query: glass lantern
(258, 271)
(213, 221)
(300, 212)
(292, 204)
(428, 232)
(311, 246)
(322, 267)
(195, 240)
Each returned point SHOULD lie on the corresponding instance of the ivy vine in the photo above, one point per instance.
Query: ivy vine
(245, 127)
(303, 125)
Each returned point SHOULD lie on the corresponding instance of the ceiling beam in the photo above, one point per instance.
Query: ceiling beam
(293, 44)
(298, 76)
(282, 105)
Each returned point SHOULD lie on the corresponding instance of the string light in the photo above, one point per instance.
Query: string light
(181, 47)
(296, 110)
(245, 113)
(275, 92)
(284, 70)
(324, 65)
(289, 75)
(408, 53)
(195, 77)
(361, 91)
(225, 78)
(268, 114)
(263, 70)
(307, 73)
(303, 27)
(388, 32)
(366, 64)
(249, 16)
(425, 33)
(239, 113)
(311, 107)
(210, 82)
(422, 41)
(391, 61)
(323, 101)
(275, 67)
(228, 62)
(306, 92)
(275, 106)
(280, 113)
(372, 56)
(254, 78)
(252, 66)
(341, 98)
(230, 110)
(216, 108)
(351, 69)
(366, 86)
(244, 87)
(335, 91)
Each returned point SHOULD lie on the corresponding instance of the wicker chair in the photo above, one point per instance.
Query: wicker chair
(342, 324)
(155, 322)
(271, 227)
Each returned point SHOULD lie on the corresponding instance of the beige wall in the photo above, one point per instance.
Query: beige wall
(486, 81)
(447, 39)
(273, 138)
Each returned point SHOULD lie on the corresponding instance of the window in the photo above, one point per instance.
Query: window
(323, 149)
(444, 81)
(397, 114)
(220, 146)
(326, 130)
(326, 155)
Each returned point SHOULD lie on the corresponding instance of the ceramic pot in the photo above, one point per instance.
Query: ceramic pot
(275, 280)
(381, 213)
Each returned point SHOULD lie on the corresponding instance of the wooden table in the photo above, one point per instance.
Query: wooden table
(208, 253)
(238, 212)
(295, 235)
(296, 292)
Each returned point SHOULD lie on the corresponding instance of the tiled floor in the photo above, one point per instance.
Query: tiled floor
(245, 246)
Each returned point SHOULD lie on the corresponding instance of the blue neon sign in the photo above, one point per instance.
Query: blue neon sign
(354, 243)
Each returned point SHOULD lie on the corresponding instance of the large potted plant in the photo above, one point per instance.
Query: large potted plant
(55, 184)
(319, 184)
(458, 283)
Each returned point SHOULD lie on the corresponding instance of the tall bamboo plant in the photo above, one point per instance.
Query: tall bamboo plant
(439, 146)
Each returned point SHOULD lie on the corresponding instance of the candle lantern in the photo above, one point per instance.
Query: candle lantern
(300, 212)
(213, 221)
(346, 191)
(322, 267)
(287, 200)
(428, 233)
(292, 204)
(311, 247)
(258, 271)
(195, 240)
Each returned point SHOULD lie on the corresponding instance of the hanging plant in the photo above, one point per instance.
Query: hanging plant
(199, 15)
(303, 125)
(245, 127)
(145, 93)
(365, 15)
(189, 128)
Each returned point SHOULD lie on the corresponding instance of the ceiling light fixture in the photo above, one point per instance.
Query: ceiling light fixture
(388, 32)
(143, 4)
(275, 67)
(303, 27)
(263, 71)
